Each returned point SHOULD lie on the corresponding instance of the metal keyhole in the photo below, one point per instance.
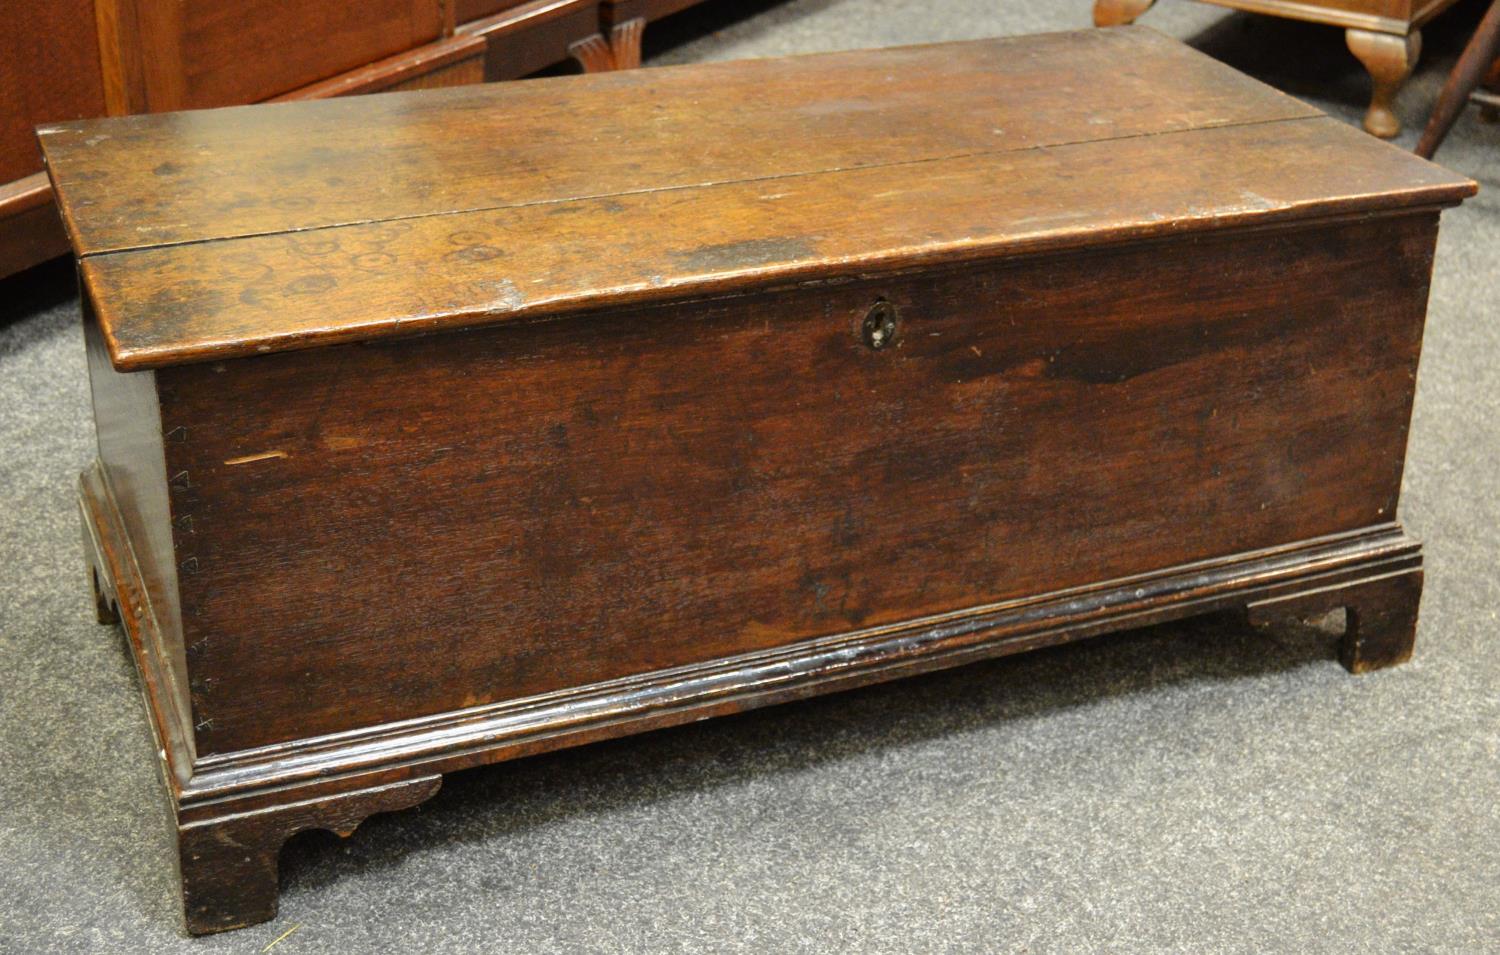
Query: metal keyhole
(880, 325)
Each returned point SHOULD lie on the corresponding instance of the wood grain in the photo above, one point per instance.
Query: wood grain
(224, 299)
(229, 862)
(852, 366)
(573, 502)
(140, 181)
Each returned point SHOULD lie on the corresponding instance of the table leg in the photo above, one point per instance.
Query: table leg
(1113, 13)
(1389, 58)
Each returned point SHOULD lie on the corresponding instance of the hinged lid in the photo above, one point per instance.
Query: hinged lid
(232, 232)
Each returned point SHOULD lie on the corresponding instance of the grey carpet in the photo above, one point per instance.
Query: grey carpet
(1193, 788)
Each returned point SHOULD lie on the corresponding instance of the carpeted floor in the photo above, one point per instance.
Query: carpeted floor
(1194, 788)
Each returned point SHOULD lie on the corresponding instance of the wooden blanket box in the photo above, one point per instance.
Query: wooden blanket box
(446, 427)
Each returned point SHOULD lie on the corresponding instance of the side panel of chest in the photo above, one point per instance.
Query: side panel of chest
(385, 531)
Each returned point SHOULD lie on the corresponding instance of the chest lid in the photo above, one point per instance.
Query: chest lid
(232, 232)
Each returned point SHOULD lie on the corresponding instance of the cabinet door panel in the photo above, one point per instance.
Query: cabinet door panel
(203, 53)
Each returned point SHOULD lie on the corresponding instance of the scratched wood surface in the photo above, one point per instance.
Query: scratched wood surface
(205, 234)
(147, 180)
(381, 531)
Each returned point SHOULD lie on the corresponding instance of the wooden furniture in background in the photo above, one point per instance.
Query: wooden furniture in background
(1384, 35)
(69, 59)
(525, 38)
(49, 70)
(625, 23)
(446, 428)
(1480, 59)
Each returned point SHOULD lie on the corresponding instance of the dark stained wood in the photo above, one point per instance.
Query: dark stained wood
(122, 593)
(466, 10)
(697, 462)
(1322, 570)
(132, 463)
(1331, 568)
(233, 857)
(49, 70)
(70, 59)
(535, 224)
(211, 299)
(31, 231)
(968, 365)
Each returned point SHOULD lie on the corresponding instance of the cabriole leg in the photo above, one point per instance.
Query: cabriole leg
(1389, 59)
(1114, 13)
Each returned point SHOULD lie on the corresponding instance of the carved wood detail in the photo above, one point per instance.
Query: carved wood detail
(593, 53)
(1114, 13)
(228, 863)
(625, 42)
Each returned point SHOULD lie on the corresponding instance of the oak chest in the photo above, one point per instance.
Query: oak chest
(441, 428)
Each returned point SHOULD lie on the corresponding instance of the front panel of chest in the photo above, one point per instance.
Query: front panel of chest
(380, 531)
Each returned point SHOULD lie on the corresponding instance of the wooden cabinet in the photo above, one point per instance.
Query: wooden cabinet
(1384, 35)
(194, 54)
(625, 21)
(71, 59)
